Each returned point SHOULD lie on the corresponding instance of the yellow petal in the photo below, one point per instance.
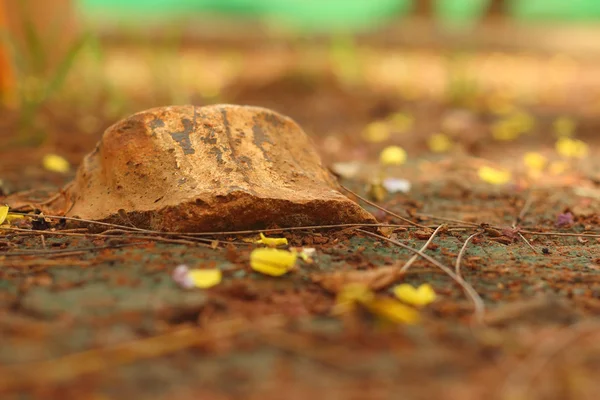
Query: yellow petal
(376, 132)
(494, 176)
(55, 163)
(350, 295)
(571, 148)
(376, 191)
(272, 242)
(10, 218)
(205, 278)
(535, 161)
(355, 293)
(393, 311)
(3, 213)
(439, 143)
(273, 262)
(420, 296)
(401, 122)
(393, 155)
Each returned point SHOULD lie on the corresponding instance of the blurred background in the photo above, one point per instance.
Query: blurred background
(484, 78)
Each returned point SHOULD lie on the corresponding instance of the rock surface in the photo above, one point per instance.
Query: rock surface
(214, 168)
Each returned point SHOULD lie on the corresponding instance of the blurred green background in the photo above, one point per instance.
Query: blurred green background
(340, 14)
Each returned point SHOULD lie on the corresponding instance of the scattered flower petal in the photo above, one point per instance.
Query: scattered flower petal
(393, 155)
(196, 278)
(376, 132)
(205, 278)
(571, 148)
(439, 143)
(55, 163)
(535, 161)
(350, 295)
(273, 262)
(272, 242)
(396, 185)
(564, 219)
(420, 296)
(3, 213)
(180, 276)
(393, 311)
(494, 176)
(376, 191)
(387, 309)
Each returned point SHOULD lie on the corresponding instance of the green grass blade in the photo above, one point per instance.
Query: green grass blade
(33, 42)
(56, 81)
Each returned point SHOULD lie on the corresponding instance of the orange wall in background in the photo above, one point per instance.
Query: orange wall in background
(6, 72)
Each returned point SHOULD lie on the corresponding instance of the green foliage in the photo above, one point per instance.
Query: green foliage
(37, 82)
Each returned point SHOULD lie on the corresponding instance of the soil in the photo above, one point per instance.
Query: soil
(86, 316)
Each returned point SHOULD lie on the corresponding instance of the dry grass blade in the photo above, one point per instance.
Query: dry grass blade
(468, 289)
(588, 235)
(219, 233)
(67, 252)
(520, 218)
(393, 214)
(411, 260)
(456, 221)
(195, 242)
(462, 252)
(527, 242)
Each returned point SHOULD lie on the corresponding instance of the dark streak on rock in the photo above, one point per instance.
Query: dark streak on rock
(246, 161)
(273, 120)
(218, 153)
(234, 155)
(155, 124)
(260, 137)
(183, 138)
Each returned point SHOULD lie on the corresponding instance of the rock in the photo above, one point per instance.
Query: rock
(214, 168)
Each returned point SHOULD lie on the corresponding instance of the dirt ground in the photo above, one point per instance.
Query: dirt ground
(86, 316)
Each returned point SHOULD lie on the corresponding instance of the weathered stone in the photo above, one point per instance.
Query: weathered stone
(221, 167)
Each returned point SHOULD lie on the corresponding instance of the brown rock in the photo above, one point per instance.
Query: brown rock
(221, 167)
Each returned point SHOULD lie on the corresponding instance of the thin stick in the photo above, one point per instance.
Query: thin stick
(527, 242)
(410, 262)
(458, 221)
(68, 251)
(462, 252)
(369, 202)
(523, 211)
(589, 235)
(43, 241)
(520, 218)
(197, 241)
(478, 303)
(218, 233)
